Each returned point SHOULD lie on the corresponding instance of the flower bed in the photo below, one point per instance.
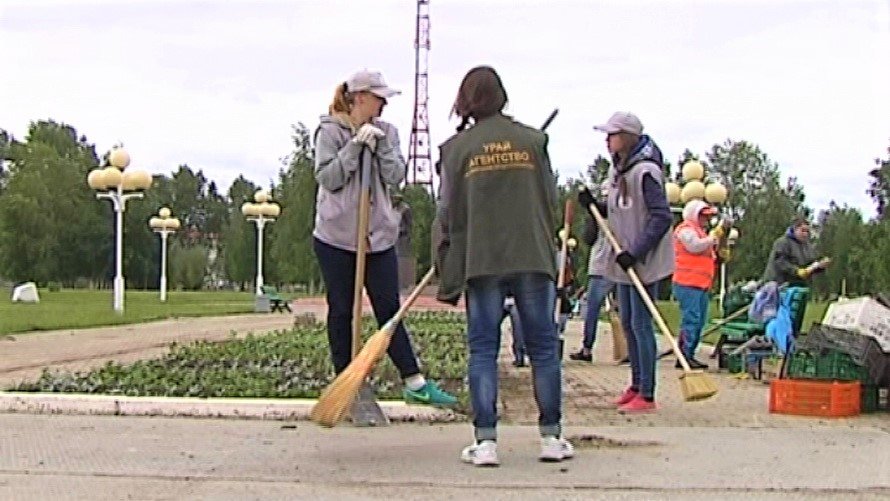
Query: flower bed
(281, 364)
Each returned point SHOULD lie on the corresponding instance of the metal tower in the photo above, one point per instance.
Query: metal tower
(420, 164)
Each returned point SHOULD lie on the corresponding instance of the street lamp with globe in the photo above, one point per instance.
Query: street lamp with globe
(263, 211)
(164, 225)
(118, 184)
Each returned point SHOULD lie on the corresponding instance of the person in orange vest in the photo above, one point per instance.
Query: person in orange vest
(695, 254)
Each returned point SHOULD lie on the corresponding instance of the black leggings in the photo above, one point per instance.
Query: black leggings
(382, 285)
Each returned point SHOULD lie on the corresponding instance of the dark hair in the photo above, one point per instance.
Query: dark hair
(481, 94)
(798, 221)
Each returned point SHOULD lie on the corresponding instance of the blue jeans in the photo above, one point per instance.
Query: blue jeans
(597, 289)
(694, 305)
(535, 295)
(382, 283)
(637, 322)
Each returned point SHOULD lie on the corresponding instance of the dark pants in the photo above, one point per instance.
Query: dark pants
(382, 284)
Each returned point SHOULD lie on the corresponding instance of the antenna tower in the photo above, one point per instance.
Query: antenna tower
(420, 162)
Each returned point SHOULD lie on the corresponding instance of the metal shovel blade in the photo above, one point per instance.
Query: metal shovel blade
(365, 411)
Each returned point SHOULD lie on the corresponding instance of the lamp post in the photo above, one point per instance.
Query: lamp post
(262, 212)
(118, 185)
(164, 225)
(694, 187)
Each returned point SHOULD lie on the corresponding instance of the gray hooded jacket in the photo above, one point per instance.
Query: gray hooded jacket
(337, 169)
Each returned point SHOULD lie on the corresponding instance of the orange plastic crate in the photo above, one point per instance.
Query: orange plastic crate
(814, 398)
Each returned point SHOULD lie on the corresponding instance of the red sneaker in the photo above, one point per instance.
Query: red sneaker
(626, 397)
(637, 406)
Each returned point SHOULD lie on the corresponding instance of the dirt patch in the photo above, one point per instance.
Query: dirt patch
(590, 441)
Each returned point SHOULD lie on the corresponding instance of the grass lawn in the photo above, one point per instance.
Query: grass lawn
(88, 308)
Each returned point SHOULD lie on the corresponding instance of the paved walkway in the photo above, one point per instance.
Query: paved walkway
(125, 457)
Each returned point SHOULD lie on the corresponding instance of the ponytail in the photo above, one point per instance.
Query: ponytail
(342, 100)
(464, 122)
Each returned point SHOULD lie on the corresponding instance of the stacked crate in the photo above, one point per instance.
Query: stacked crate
(833, 354)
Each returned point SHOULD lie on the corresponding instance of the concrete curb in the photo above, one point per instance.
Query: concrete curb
(240, 408)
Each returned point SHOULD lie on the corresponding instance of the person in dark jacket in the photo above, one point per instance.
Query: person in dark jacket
(351, 133)
(638, 214)
(793, 259)
(496, 200)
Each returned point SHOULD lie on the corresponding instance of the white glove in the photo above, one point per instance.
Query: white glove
(368, 134)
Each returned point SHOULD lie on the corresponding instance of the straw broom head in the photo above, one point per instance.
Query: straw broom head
(696, 385)
(337, 398)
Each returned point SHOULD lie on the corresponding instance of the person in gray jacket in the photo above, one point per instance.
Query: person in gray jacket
(352, 133)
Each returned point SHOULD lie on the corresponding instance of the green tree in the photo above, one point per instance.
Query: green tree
(423, 210)
(188, 264)
(761, 206)
(238, 240)
(879, 188)
(51, 226)
(840, 231)
(291, 244)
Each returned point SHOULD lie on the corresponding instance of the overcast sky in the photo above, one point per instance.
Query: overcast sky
(216, 85)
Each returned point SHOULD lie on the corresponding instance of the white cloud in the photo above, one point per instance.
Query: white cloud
(217, 85)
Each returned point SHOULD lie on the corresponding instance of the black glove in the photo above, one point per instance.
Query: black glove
(625, 260)
(585, 197)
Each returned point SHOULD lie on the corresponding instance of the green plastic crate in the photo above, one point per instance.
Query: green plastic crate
(874, 398)
(826, 364)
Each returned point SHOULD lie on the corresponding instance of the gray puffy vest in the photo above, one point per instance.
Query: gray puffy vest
(627, 219)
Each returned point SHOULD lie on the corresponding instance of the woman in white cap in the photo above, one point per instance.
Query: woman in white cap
(638, 213)
(350, 134)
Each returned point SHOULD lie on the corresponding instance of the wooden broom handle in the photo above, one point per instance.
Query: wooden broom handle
(361, 250)
(641, 289)
(413, 296)
(564, 254)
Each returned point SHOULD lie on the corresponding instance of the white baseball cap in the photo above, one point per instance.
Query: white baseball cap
(621, 121)
(371, 81)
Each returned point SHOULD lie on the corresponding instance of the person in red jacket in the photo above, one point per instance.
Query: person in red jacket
(695, 263)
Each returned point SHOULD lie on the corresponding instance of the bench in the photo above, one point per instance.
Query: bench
(749, 339)
(276, 300)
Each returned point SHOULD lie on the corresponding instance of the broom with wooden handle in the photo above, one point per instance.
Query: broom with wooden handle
(695, 385)
(336, 399)
(361, 250)
(619, 341)
(563, 263)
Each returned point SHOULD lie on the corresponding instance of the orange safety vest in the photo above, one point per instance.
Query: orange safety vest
(692, 270)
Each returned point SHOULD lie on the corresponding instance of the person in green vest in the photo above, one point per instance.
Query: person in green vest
(496, 200)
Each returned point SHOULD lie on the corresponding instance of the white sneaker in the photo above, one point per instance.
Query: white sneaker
(484, 453)
(555, 449)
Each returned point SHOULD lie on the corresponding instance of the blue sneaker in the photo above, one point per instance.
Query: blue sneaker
(429, 394)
